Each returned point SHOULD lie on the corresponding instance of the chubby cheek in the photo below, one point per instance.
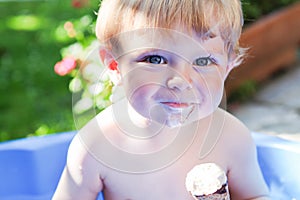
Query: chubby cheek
(141, 97)
(133, 85)
(216, 89)
(211, 86)
(142, 84)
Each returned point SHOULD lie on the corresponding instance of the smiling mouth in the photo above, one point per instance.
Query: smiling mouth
(176, 105)
(184, 109)
(179, 112)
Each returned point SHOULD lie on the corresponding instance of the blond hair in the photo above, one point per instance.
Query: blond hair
(206, 17)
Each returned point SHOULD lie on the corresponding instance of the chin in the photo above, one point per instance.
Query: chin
(173, 124)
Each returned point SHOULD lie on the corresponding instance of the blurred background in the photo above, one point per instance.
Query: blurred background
(35, 36)
(34, 100)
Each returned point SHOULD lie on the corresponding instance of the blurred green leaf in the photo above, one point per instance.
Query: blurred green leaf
(24, 22)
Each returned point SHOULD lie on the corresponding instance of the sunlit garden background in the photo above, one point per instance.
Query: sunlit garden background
(35, 37)
(34, 99)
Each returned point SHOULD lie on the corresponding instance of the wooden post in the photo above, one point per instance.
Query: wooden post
(273, 42)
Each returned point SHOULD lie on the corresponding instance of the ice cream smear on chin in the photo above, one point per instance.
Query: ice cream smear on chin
(178, 113)
(207, 181)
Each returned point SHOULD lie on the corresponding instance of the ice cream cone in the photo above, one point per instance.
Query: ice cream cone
(207, 181)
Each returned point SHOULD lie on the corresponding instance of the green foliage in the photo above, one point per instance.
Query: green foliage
(254, 9)
(33, 99)
(245, 91)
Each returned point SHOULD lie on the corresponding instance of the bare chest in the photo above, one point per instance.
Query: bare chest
(163, 184)
(167, 179)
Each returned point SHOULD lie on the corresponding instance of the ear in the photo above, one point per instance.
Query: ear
(233, 62)
(108, 59)
(229, 67)
(111, 64)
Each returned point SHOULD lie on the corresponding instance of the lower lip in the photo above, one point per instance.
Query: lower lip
(176, 105)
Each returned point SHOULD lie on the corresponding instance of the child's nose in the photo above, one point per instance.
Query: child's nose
(178, 83)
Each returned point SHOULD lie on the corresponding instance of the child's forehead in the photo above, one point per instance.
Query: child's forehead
(178, 42)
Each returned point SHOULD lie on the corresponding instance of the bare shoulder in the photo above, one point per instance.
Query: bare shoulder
(89, 141)
(80, 150)
(234, 130)
(94, 130)
(101, 121)
(82, 176)
(235, 141)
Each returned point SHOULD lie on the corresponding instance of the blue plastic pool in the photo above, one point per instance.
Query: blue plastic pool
(30, 168)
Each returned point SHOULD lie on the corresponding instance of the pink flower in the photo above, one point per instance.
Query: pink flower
(80, 3)
(65, 66)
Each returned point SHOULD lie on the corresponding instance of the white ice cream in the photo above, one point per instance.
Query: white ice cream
(205, 179)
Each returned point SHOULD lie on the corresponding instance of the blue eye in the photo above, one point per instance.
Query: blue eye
(204, 61)
(155, 59)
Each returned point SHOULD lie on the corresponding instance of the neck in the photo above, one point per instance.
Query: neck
(136, 118)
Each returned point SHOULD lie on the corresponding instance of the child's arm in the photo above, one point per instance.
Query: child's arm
(80, 178)
(244, 177)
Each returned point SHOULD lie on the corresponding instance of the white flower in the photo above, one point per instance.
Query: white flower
(92, 72)
(74, 50)
(92, 53)
(96, 88)
(75, 85)
(105, 75)
(83, 105)
(86, 20)
(117, 94)
(101, 104)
